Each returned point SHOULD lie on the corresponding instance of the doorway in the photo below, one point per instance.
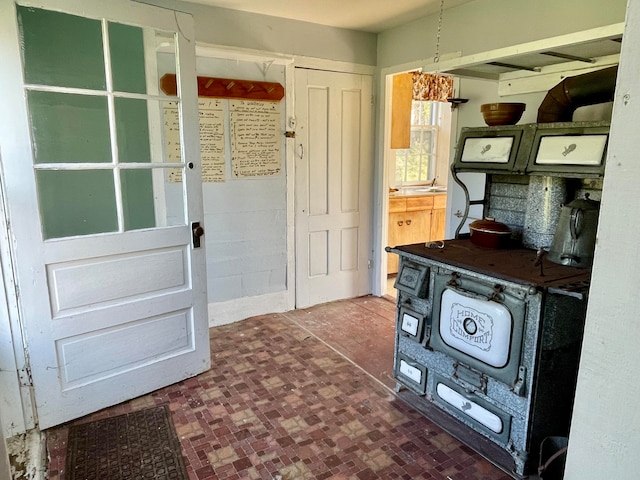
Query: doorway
(416, 184)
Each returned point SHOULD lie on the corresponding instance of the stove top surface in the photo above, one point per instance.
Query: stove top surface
(513, 264)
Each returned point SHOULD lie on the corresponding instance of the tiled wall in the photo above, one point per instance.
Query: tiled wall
(508, 194)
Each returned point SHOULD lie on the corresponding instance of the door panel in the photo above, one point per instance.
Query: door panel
(166, 335)
(112, 293)
(97, 281)
(333, 186)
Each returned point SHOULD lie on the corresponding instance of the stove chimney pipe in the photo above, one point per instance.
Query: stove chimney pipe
(573, 92)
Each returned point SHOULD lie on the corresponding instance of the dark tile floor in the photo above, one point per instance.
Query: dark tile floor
(306, 394)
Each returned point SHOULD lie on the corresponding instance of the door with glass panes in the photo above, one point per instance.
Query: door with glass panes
(112, 289)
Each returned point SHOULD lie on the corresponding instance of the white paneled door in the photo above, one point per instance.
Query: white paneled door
(102, 185)
(333, 184)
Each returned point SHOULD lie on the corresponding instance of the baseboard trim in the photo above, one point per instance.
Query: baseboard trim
(223, 313)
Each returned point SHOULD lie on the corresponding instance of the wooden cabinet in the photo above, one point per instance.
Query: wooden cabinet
(414, 220)
(401, 97)
(438, 217)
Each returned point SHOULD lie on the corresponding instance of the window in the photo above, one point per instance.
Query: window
(417, 163)
(94, 117)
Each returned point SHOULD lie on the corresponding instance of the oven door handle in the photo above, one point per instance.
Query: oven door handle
(497, 294)
(469, 294)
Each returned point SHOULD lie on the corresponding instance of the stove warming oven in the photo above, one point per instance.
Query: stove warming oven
(490, 340)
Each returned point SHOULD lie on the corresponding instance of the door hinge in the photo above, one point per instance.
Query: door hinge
(373, 100)
(369, 264)
(24, 377)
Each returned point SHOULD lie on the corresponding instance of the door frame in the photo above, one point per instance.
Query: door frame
(17, 389)
(382, 172)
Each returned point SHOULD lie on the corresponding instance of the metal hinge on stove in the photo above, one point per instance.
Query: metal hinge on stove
(496, 295)
(427, 337)
(518, 387)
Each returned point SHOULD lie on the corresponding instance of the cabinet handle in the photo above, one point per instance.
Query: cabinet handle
(400, 222)
(409, 222)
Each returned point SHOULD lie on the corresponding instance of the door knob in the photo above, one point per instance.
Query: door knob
(197, 231)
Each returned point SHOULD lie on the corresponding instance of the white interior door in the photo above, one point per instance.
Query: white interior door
(333, 185)
(112, 289)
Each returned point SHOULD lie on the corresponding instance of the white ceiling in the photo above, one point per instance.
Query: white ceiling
(365, 15)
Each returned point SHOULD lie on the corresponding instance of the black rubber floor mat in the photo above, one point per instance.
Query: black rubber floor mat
(139, 445)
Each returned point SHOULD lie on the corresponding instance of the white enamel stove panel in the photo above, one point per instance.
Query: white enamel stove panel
(480, 328)
(413, 373)
(475, 411)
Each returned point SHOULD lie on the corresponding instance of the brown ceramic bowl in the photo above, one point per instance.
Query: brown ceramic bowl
(502, 113)
(489, 233)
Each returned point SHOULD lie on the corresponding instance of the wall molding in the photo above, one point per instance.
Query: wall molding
(224, 313)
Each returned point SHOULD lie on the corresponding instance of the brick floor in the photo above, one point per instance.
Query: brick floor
(302, 395)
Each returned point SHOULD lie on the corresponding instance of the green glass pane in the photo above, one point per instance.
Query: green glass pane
(137, 199)
(61, 49)
(127, 58)
(69, 128)
(79, 202)
(132, 129)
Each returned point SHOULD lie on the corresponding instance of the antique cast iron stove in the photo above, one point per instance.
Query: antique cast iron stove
(488, 344)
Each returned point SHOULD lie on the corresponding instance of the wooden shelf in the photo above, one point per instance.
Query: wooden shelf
(228, 88)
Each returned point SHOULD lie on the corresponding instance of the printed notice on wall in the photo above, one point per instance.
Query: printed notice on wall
(255, 142)
(172, 139)
(211, 139)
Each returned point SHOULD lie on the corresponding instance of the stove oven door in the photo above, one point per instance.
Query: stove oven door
(479, 324)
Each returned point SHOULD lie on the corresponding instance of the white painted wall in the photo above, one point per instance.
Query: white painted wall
(605, 433)
(245, 218)
(249, 255)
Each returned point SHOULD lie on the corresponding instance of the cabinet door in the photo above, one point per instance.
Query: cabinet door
(438, 218)
(418, 227)
(397, 228)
